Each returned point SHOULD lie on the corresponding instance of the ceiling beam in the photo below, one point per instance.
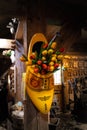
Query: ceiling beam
(19, 32)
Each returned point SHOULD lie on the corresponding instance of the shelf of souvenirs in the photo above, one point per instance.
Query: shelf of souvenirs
(76, 73)
(74, 64)
(70, 61)
(73, 57)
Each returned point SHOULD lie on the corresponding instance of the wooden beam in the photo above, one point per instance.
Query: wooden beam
(19, 32)
(6, 43)
(25, 35)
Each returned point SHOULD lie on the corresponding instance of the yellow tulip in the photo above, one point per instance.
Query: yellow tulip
(44, 52)
(54, 55)
(51, 63)
(51, 68)
(53, 59)
(54, 45)
(50, 51)
(22, 59)
(43, 58)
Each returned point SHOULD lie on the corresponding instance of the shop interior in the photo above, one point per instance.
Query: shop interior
(17, 112)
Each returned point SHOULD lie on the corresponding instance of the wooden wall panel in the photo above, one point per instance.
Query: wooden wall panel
(19, 69)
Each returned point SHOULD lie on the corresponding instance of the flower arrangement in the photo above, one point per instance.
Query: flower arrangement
(46, 61)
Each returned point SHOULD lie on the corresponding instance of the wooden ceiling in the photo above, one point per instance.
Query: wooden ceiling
(57, 12)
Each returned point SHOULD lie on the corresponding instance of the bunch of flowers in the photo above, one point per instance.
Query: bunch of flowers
(47, 60)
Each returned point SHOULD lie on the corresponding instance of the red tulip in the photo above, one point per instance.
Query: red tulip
(44, 66)
(45, 45)
(56, 65)
(39, 62)
(36, 70)
(48, 67)
(61, 50)
(43, 72)
(32, 57)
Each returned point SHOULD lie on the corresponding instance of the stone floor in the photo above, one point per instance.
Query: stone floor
(3, 125)
(1, 128)
(67, 121)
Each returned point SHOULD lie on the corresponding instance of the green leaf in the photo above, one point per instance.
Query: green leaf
(57, 52)
(34, 61)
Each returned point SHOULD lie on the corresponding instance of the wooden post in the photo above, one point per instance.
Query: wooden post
(33, 119)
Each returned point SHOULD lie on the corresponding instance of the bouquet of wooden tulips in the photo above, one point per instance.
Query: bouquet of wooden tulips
(47, 60)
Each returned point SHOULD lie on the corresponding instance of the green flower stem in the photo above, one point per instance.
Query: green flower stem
(54, 37)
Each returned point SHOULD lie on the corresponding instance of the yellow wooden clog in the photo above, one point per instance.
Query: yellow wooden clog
(40, 88)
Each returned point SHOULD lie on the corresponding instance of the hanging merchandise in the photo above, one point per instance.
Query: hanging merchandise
(41, 63)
